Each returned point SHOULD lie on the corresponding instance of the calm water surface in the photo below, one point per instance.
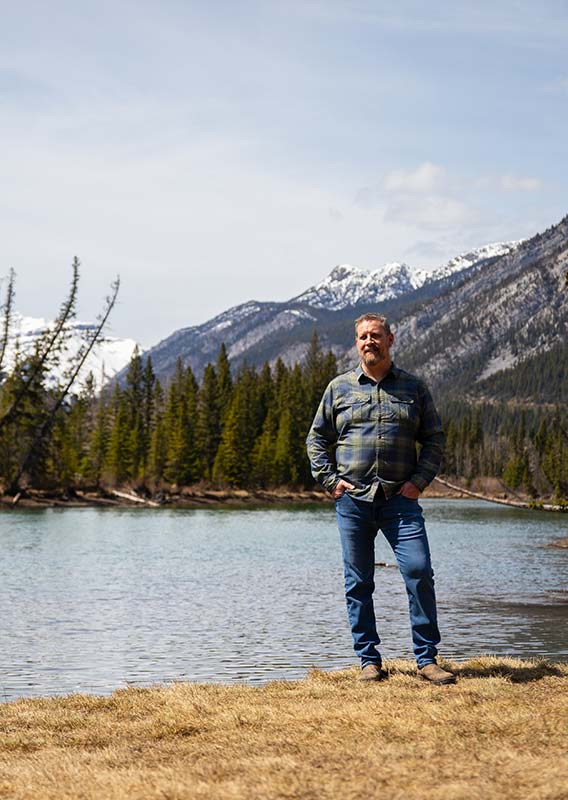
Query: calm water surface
(96, 599)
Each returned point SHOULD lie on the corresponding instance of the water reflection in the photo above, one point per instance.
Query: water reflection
(95, 599)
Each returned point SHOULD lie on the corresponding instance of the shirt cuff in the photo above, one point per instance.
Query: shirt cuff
(419, 482)
(330, 483)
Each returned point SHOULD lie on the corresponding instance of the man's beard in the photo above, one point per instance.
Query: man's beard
(372, 357)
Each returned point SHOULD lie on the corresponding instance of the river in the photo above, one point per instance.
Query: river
(96, 599)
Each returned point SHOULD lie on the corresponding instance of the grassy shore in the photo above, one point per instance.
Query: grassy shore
(500, 732)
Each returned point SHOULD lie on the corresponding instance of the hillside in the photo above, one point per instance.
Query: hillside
(501, 316)
(257, 332)
(468, 326)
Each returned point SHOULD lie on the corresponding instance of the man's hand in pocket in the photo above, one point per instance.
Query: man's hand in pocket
(341, 488)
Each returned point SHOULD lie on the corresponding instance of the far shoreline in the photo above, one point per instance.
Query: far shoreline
(203, 497)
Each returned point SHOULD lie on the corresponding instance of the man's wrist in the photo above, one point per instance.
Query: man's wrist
(330, 484)
(419, 482)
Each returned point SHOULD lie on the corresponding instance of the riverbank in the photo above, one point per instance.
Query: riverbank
(500, 732)
(189, 497)
(209, 497)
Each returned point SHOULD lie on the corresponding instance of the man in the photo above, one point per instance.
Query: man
(362, 448)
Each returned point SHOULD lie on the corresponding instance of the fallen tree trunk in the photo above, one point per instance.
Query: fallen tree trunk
(134, 498)
(501, 501)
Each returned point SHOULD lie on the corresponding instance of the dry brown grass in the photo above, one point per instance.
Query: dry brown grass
(501, 732)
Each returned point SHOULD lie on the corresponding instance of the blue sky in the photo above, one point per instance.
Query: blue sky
(216, 152)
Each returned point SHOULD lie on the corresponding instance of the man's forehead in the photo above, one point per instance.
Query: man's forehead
(370, 326)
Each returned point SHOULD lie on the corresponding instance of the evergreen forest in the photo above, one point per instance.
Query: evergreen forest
(244, 430)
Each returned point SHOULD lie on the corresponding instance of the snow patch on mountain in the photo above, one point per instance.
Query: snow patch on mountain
(347, 285)
(284, 321)
(466, 260)
(105, 360)
(504, 359)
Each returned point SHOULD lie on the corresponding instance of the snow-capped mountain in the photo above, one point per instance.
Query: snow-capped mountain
(256, 332)
(472, 258)
(107, 358)
(349, 286)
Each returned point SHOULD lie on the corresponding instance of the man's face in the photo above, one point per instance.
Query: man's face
(373, 342)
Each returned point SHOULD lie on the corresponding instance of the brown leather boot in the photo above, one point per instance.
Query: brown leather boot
(436, 675)
(372, 672)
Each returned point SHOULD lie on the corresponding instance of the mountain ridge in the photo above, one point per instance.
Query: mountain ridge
(347, 285)
(496, 318)
(264, 331)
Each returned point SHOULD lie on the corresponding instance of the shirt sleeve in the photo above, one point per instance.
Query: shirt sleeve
(431, 438)
(320, 443)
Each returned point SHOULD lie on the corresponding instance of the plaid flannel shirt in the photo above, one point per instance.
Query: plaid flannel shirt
(366, 434)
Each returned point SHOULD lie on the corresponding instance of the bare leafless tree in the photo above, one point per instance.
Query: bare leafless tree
(7, 308)
(48, 346)
(69, 379)
(47, 353)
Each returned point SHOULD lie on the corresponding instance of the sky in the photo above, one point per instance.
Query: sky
(213, 152)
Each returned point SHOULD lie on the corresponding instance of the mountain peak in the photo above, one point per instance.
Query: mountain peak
(343, 271)
(347, 285)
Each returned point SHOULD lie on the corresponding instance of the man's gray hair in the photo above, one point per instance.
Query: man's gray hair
(369, 316)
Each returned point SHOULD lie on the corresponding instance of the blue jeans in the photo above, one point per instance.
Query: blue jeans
(401, 521)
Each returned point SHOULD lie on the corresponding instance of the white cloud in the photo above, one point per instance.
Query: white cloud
(430, 197)
(335, 215)
(512, 183)
(365, 197)
(431, 250)
(426, 178)
(209, 154)
(507, 183)
(425, 197)
(435, 212)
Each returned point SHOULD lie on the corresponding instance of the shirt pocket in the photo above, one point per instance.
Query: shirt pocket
(402, 410)
(361, 407)
(352, 408)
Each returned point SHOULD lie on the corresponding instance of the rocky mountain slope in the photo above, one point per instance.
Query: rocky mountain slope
(496, 319)
(258, 332)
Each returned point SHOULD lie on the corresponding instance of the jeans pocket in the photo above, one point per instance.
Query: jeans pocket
(341, 497)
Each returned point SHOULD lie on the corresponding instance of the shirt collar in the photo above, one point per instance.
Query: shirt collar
(362, 377)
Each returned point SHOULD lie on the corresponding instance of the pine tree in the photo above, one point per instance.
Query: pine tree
(290, 459)
(119, 457)
(234, 460)
(224, 384)
(147, 415)
(99, 441)
(284, 468)
(158, 453)
(70, 439)
(31, 398)
(134, 396)
(208, 427)
(263, 459)
(182, 467)
(319, 369)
